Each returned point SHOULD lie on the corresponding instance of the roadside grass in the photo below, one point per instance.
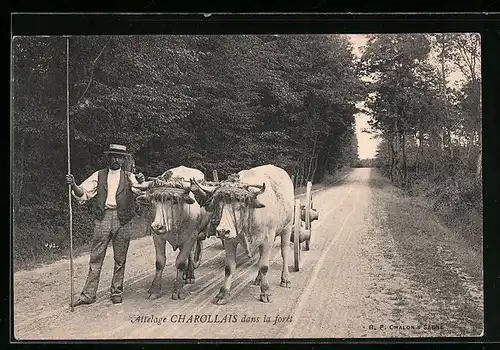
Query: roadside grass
(439, 259)
(457, 201)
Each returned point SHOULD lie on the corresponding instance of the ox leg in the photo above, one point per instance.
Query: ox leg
(223, 296)
(179, 293)
(285, 250)
(161, 259)
(189, 273)
(265, 251)
(181, 263)
(258, 279)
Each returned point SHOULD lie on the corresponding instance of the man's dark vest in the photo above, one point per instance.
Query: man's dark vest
(124, 196)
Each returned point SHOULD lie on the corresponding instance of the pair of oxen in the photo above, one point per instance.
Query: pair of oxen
(250, 208)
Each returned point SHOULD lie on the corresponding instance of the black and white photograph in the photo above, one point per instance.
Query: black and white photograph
(247, 186)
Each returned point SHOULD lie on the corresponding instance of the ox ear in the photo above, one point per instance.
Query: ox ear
(258, 204)
(209, 205)
(200, 197)
(188, 199)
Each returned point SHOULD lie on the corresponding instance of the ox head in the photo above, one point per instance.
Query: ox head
(169, 200)
(233, 203)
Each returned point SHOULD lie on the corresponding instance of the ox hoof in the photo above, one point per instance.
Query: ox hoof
(222, 298)
(179, 295)
(189, 280)
(153, 296)
(265, 298)
(286, 283)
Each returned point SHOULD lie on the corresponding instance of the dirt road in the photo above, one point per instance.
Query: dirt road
(379, 265)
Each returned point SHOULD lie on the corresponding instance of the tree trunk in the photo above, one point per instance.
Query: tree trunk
(450, 144)
(315, 166)
(403, 150)
(296, 177)
(469, 145)
(389, 158)
(303, 172)
(397, 148)
(417, 165)
(309, 169)
(393, 158)
(19, 176)
(442, 139)
(422, 147)
(479, 168)
(297, 173)
(419, 151)
(446, 137)
(327, 165)
(308, 178)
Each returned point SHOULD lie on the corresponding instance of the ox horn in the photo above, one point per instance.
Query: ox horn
(207, 189)
(257, 189)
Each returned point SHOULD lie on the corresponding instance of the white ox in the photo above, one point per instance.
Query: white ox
(177, 221)
(254, 216)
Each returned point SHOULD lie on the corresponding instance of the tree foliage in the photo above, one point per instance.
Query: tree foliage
(413, 105)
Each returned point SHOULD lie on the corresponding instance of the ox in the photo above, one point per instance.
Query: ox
(253, 222)
(177, 221)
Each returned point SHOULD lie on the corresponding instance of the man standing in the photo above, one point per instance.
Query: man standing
(113, 207)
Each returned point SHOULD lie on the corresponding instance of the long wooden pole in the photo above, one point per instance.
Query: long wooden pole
(69, 172)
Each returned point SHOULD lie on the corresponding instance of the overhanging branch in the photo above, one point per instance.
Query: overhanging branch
(91, 73)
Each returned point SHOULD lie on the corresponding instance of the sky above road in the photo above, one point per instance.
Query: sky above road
(367, 144)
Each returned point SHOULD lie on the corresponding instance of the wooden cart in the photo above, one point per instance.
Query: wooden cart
(304, 215)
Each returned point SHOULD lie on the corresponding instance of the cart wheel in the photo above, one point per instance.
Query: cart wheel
(310, 230)
(296, 236)
(308, 213)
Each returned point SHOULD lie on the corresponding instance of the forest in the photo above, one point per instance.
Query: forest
(230, 102)
(423, 96)
(216, 102)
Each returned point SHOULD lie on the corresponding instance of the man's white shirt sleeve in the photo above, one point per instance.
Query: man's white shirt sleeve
(89, 187)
